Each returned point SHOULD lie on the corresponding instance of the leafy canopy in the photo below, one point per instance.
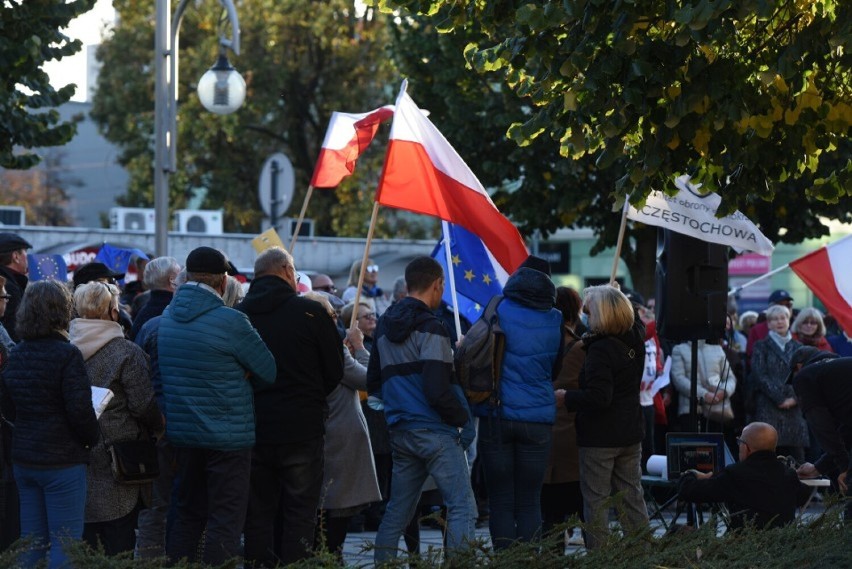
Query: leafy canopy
(31, 35)
(751, 92)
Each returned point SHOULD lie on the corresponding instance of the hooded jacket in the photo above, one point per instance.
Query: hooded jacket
(308, 355)
(532, 358)
(205, 352)
(411, 370)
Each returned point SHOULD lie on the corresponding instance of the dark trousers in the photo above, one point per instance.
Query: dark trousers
(560, 502)
(286, 479)
(211, 489)
(117, 536)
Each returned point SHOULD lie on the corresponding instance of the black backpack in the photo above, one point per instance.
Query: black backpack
(479, 358)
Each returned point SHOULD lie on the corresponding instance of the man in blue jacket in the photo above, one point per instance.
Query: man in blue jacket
(210, 360)
(411, 371)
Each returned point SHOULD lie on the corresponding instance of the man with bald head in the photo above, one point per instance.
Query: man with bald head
(759, 489)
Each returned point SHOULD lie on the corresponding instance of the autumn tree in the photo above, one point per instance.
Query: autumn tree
(30, 36)
(301, 61)
(750, 98)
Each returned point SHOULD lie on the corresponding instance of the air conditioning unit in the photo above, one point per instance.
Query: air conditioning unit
(132, 219)
(305, 230)
(11, 215)
(199, 221)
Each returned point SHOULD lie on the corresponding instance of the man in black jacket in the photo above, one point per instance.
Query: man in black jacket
(287, 461)
(823, 385)
(759, 488)
(14, 265)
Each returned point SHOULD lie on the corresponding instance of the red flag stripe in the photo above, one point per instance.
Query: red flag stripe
(827, 278)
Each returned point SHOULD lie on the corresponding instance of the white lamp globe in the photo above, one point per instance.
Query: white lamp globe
(222, 89)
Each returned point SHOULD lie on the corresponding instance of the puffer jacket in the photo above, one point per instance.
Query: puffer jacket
(47, 395)
(205, 350)
(533, 330)
(411, 370)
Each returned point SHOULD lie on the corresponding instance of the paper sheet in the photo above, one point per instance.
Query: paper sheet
(663, 379)
(100, 399)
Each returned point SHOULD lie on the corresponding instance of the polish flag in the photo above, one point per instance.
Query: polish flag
(828, 273)
(348, 135)
(424, 174)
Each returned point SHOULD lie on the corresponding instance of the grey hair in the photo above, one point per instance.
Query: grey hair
(776, 310)
(809, 313)
(270, 259)
(400, 289)
(160, 272)
(233, 292)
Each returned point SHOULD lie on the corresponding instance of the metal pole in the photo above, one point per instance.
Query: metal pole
(165, 105)
(273, 201)
(162, 112)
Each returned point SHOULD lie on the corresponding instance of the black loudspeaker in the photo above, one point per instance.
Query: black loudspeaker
(692, 287)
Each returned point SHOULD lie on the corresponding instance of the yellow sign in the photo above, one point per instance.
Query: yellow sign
(267, 239)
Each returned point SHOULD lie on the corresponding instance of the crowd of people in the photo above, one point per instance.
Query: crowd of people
(281, 416)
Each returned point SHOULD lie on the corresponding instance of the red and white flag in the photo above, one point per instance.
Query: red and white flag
(828, 273)
(348, 135)
(423, 173)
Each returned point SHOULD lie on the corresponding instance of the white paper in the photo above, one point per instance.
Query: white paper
(100, 399)
(658, 466)
(663, 379)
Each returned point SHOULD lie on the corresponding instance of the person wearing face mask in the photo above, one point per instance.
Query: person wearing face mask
(370, 289)
(775, 402)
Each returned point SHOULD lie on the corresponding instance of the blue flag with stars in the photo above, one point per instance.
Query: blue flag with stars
(43, 267)
(478, 276)
(117, 258)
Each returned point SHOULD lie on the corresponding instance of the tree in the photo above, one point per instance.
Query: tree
(752, 100)
(301, 61)
(31, 35)
(41, 190)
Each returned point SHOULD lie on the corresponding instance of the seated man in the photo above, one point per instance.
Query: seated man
(759, 488)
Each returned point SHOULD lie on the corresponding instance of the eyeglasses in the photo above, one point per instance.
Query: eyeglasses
(369, 315)
(809, 323)
(742, 442)
(5, 297)
(327, 288)
(372, 268)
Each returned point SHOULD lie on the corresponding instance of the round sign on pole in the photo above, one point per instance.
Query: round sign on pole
(279, 168)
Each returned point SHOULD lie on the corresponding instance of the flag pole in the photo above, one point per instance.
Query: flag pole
(621, 231)
(445, 227)
(301, 218)
(737, 289)
(357, 299)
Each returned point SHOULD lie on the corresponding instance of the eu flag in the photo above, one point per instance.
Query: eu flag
(478, 276)
(117, 258)
(43, 267)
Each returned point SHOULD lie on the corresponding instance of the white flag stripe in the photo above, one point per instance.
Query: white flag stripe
(840, 257)
(694, 215)
(341, 128)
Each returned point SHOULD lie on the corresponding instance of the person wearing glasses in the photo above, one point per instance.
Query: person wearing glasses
(370, 288)
(323, 283)
(5, 339)
(13, 267)
(366, 320)
(759, 489)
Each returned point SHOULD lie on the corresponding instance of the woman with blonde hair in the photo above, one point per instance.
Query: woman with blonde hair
(370, 288)
(809, 329)
(609, 421)
(121, 366)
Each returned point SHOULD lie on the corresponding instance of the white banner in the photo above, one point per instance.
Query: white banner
(695, 215)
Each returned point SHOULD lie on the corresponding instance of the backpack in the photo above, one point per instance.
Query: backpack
(479, 359)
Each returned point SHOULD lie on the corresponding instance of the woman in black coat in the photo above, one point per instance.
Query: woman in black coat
(47, 395)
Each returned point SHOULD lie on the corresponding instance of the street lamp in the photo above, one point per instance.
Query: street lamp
(221, 90)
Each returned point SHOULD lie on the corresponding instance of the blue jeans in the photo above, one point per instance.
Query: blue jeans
(514, 458)
(53, 507)
(418, 453)
(605, 471)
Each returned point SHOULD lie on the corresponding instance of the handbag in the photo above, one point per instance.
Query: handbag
(134, 462)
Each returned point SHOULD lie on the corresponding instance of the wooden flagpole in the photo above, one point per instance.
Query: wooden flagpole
(301, 218)
(621, 232)
(445, 227)
(370, 232)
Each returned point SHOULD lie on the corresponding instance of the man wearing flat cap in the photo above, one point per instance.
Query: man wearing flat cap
(211, 359)
(14, 267)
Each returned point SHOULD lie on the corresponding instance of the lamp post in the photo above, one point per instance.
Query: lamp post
(221, 90)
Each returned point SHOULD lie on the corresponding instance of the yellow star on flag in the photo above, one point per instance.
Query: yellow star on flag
(456, 259)
(469, 276)
(486, 279)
